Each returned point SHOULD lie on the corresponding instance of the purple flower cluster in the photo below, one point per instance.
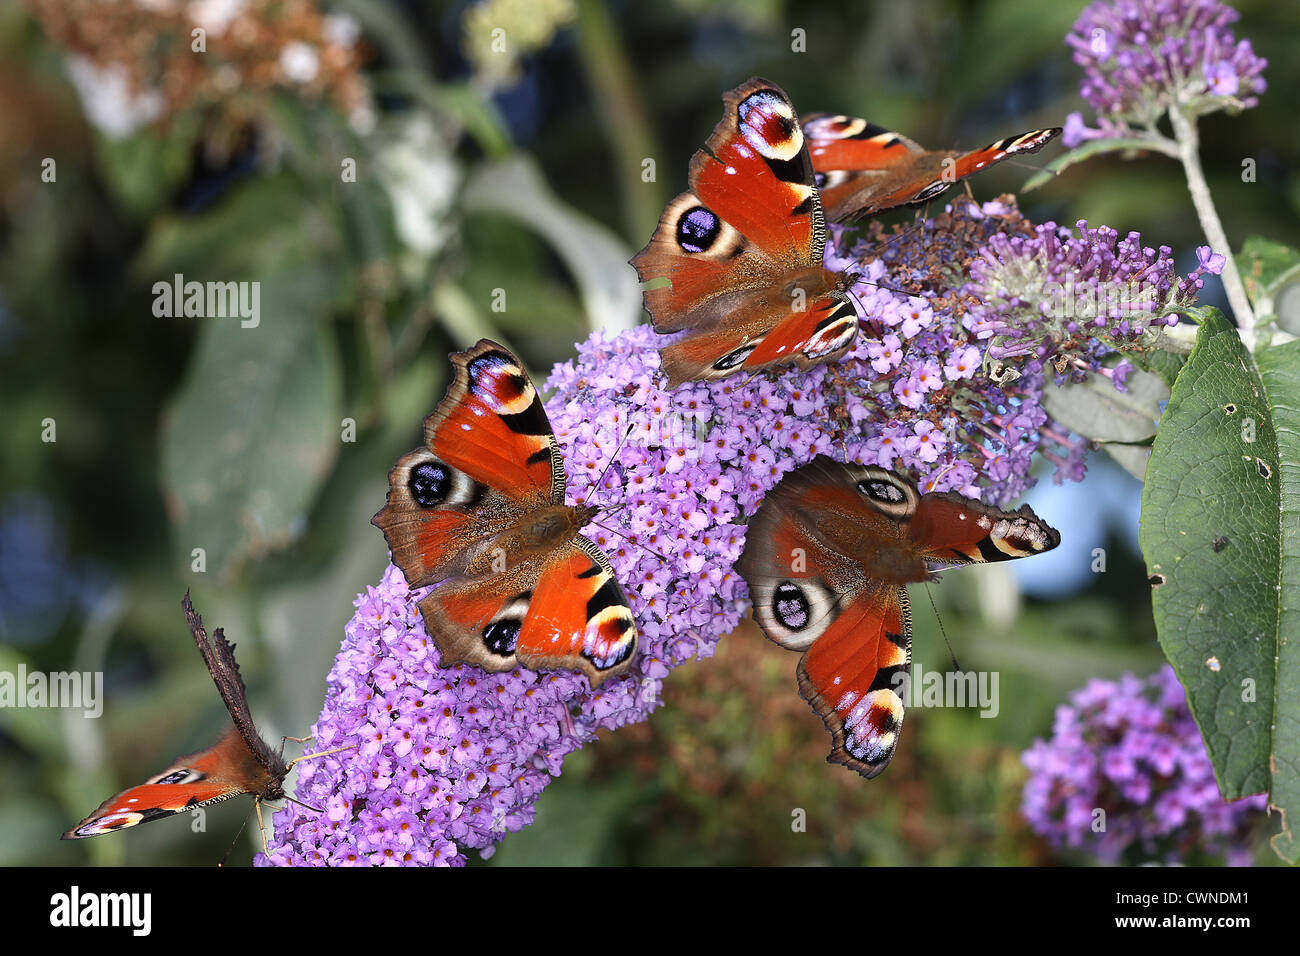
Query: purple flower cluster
(1141, 56)
(448, 758)
(918, 391)
(452, 758)
(1130, 749)
(1075, 299)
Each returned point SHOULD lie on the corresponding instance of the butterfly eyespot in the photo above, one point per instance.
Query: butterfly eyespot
(790, 606)
(500, 636)
(430, 483)
(930, 191)
(767, 115)
(883, 491)
(871, 727)
(496, 379)
(697, 230)
(734, 357)
(180, 776)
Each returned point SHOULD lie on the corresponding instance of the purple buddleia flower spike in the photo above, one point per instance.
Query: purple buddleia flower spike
(452, 758)
(1075, 297)
(1141, 56)
(1125, 777)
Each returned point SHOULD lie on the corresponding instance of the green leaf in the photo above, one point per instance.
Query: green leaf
(266, 220)
(1279, 368)
(1224, 586)
(1095, 147)
(29, 727)
(302, 618)
(1165, 364)
(1098, 411)
(596, 257)
(1264, 266)
(27, 823)
(254, 428)
(1132, 458)
(455, 106)
(142, 170)
(1271, 274)
(1115, 420)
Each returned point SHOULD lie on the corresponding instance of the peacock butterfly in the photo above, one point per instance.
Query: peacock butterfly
(742, 251)
(240, 762)
(862, 169)
(479, 510)
(828, 557)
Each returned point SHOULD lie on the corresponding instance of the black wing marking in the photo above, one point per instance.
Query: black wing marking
(219, 655)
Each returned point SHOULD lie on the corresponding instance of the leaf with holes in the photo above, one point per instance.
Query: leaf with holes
(1279, 368)
(1223, 576)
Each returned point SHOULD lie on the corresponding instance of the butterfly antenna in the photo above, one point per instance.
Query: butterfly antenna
(301, 804)
(226, 856)
(612, 458)
(1024, 165)
(613, 511)
(638, 544)
(933, 607)
(918, 225)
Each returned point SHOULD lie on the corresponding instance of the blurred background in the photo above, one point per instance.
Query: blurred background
(381, 168)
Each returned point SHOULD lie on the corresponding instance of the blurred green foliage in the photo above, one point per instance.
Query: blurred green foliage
(177, 433)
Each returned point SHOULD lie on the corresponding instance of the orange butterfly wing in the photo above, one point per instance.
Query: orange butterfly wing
(479, 511)
(489, 457)
(827, 559)
(201, 779)
(742, 250)
(854, 676)
(864, 169)
(240, 762)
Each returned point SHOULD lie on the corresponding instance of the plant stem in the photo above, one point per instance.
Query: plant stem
(1189, 154)
(622, 114)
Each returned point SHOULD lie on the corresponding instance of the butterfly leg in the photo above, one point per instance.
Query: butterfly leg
(320, 753)
(257, 804)
(843, 423)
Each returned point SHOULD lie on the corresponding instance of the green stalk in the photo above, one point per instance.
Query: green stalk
(623, 116)
(1188, 139)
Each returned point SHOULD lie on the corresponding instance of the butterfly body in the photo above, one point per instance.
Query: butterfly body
(863, 169)
(742, 251)
(828, 558)
(241, 762)
(479, 511)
